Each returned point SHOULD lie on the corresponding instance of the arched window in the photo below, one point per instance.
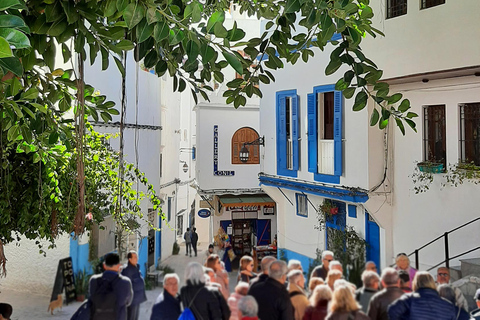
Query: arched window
(240, 137)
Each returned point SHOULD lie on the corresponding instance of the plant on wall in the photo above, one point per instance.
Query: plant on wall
(454, 176)
(347, 244)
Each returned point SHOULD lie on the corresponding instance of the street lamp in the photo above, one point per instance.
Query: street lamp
(244, 154)
(185, 167)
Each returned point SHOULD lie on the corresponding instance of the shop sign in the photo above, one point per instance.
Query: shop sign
(204, 213)
(268, 210)
(243, 208)
(217, 172)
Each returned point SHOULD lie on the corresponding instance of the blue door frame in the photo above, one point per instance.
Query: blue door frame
(372, 236)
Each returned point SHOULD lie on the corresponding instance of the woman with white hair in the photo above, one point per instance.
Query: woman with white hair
(318, 309)
(344, 306)
(202, 300)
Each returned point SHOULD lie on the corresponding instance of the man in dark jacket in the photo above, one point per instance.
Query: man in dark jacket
(122, 287)
(194, 240)
(167, 306)
(370, 282)
(133, 273)
(377, 308)
(424, 303)
(322, 271)
(272, 296)
(264, 264)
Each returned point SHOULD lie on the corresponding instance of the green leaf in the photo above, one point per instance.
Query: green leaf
(151, 59)
(395, 98)
(233, 61)
(57, 28)
(40, 107)
(12, 64)
(217, 17)
(122, 4)
(400, 125)
(160, 31)
(106, 116)
(66, 53)
(30, 94)
(5, 50)
(360, 101)
(411, 124)
(110, 8)
(220, 31)
(374, 117)
(96, 157)
(133, 14)
(15, 38)
(383, 124)
(175, 36)
(11, 21)
(5, 4)
(125, 45)
(404, 106)
(144, 31)
(192, 50)
(53, 138)
(152, 16)
(332, 67)
(292, 6)
(119, 66)
(341, 85)
(13, 133)
(53, 12)
(412, 115)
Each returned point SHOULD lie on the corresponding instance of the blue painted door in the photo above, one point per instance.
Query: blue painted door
(372, 236)
(263, 232)
(158, 240)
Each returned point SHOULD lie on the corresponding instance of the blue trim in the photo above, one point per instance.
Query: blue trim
(281, 134)
(79, 255)
(158, 244)
(289, 255)
(372, 237)
(352, 211)
(323, 191)
(313, 137)
(194, 151)
(143, 255)
(297, 196)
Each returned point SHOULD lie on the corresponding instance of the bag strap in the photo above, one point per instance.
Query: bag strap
(294, 293)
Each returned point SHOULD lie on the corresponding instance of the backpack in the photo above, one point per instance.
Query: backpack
(187, 314)
(104, 301)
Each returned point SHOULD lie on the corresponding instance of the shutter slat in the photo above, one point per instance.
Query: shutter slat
(312, 133)
(295, 135)
(337, 131)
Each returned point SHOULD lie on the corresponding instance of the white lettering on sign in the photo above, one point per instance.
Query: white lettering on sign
(217, 172)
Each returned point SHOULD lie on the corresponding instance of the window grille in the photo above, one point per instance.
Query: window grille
(396, 8)
(434, 142)
(470, 133)
(431, 3)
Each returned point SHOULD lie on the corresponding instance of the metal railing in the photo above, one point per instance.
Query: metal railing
(447, 250)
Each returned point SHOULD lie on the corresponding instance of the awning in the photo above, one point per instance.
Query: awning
(256, 200)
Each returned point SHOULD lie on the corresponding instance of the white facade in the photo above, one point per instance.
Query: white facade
(434, 44)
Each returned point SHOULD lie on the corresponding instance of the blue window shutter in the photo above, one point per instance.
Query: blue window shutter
(312, 133)
(282, 135)
(295, 132)
(352, 211)
(337, 131)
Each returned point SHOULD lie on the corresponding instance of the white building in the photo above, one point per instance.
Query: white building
(317, 148)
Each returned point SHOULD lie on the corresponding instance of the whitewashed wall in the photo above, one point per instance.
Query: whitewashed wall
(437, 38)
(30, 271)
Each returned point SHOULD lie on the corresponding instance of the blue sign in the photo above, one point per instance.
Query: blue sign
(217, 172)
(204, 213)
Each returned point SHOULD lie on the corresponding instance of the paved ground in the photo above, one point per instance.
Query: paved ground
(28, 306)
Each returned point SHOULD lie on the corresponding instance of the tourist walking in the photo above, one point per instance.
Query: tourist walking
(378, 306)
(201, 300)
(110, 292)
(132, 271)
(322, 271)
(319, 300)
(296, 285)
(363, 295)
(344, 306)
(167, 305)
(194, 239)
(187, 236)
(424, 303)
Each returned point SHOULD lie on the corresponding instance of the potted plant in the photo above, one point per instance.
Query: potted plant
(431, 167)
(81, 284)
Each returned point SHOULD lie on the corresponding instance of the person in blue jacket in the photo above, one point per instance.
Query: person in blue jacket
(167, 306)
(133, 273)
(424, 303)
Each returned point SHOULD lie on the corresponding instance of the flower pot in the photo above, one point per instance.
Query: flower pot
(430, 167)
(333, 211)
(80, 297)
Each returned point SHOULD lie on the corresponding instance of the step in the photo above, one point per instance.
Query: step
(470, 266)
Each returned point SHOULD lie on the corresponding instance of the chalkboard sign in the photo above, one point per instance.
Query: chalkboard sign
(64, 279)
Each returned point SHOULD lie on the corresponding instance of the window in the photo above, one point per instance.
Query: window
(325, 107)
(302, 205)
(434, 142)
(396, 8)
(287, 133)
(431, 3)
(240, 137)
(179, 225)
(169, 209)
(470, 133)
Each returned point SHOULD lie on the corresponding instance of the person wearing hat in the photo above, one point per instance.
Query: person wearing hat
(476, 313)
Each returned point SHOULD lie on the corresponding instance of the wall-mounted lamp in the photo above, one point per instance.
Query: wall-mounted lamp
(185, 166)
(244, 154)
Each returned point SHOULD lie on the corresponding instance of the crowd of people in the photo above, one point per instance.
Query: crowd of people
(280, 292)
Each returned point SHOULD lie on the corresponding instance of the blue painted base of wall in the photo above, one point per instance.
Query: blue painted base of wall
(79, 255)
(143, 255)
(288, 254)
